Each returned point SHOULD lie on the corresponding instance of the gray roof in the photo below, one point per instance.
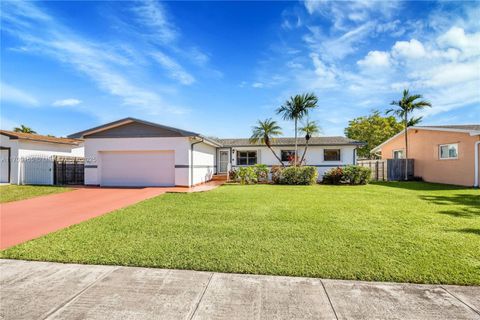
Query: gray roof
(473, 127)
(318, 141)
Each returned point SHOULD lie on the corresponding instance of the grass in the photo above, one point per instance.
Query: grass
(14, 192)
(402, 232)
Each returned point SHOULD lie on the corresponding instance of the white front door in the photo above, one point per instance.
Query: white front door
(224, 158)
(137, 168)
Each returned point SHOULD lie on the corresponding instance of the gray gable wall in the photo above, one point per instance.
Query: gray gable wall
(135, 130)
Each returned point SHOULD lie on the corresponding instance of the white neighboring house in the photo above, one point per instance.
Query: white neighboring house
(133, 152)
(25, 153)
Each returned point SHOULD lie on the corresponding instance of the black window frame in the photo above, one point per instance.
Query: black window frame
(290, 152)
(248, 159)
(339, 154)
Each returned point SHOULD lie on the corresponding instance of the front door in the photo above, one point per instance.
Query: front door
(223, 163)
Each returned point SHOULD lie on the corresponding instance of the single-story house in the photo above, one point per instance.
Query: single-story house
(22, 155)
(444, 154)
(133, 152)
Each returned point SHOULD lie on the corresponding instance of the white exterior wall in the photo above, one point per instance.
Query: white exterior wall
(204, 162)
(180, 145)
(314, 156)
(23, 149)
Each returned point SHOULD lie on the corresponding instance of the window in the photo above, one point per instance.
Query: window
(448, 151)
(245, 158)
(287, 155)
(331, 155)
(397, 154)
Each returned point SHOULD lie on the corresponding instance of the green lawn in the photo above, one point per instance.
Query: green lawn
(13, 192)
(403, 232)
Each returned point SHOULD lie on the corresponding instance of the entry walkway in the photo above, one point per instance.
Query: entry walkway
(41, 290)
(24, 220)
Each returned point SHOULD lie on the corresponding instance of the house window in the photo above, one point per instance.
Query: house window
(287, 155)
(331, 155)
(245, 158)
(448, 151)
(397, 154)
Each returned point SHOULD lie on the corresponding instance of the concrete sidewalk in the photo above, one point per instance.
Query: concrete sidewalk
(41, 290)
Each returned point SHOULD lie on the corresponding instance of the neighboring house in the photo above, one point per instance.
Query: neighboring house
(132, 152)
(443, 154)
(20, 151)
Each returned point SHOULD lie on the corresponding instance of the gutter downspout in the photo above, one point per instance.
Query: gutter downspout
(475, 184)
(191, 161)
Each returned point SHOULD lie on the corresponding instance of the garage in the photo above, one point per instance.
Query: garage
(137, 168)
(4, 165)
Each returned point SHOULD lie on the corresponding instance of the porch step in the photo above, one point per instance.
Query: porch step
(219, 177)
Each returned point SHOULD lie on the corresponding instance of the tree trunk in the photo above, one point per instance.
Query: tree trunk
(276, 156)
(406, 147)
(296, 144)
(304, 151)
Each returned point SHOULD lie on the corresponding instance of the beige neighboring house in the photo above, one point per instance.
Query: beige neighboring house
(444, 154)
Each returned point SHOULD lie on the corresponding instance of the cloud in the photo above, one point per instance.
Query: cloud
(175, 70)
(375, 59)
(153, 15)
(108, 68)
(412, 49)
(258, 85)
(66, 102)
(11, 94)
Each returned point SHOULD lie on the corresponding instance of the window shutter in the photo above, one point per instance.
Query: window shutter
(259, 155)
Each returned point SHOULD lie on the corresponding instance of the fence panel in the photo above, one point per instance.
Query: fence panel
(69, 170)
(378, 168)
(396, 169)
(36, 170)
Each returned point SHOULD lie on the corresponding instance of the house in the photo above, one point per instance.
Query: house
(22, 153)
(444, 154)
(133, 152)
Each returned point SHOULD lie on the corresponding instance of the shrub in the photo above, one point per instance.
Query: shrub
(350, 174)
(276, 172)
(333, 176)
(305, 175)
(261, 170)
(247, 175)
(356, 174)
(233, 175)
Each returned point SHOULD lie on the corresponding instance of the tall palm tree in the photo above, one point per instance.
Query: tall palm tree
(404, 107)
(310, 129)
(23, 129)
(295, 109)
(414, 121)
(265, 132)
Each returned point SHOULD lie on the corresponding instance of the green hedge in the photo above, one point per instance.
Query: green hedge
(303, 175)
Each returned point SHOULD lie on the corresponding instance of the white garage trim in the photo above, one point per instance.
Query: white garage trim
(137, 168)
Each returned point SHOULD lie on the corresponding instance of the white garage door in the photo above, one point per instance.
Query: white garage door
(4, 170)
(137, 168)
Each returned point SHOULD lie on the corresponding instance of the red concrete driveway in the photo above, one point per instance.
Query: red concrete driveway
(24, 220)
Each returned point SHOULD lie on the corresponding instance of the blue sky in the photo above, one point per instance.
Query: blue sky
(217, 67)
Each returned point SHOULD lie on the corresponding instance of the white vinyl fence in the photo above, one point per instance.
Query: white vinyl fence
(36, 170)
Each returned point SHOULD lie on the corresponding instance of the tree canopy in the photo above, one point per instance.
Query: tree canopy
(373, 130)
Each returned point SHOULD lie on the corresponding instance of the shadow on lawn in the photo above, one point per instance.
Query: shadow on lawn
(470, 204)
(417, 185)
(469, 230)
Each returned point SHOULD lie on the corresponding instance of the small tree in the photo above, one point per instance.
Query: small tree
(404, 107)
(295, 109)
(23, 129)
(265, 132)
(310, 129)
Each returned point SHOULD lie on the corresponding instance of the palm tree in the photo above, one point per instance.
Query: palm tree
(295, 109)
(265, 132)
(23, 129)
(414, 121)
(405, 106)
(310, 128)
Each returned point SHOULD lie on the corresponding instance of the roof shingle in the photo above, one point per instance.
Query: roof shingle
(320, 141)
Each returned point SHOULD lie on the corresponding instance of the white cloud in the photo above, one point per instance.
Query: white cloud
(412, 49)
(66, 102)
(152, 14)
(375, 59)
(12, 94)
(258, 85)
(175, 70)
(455, 37)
